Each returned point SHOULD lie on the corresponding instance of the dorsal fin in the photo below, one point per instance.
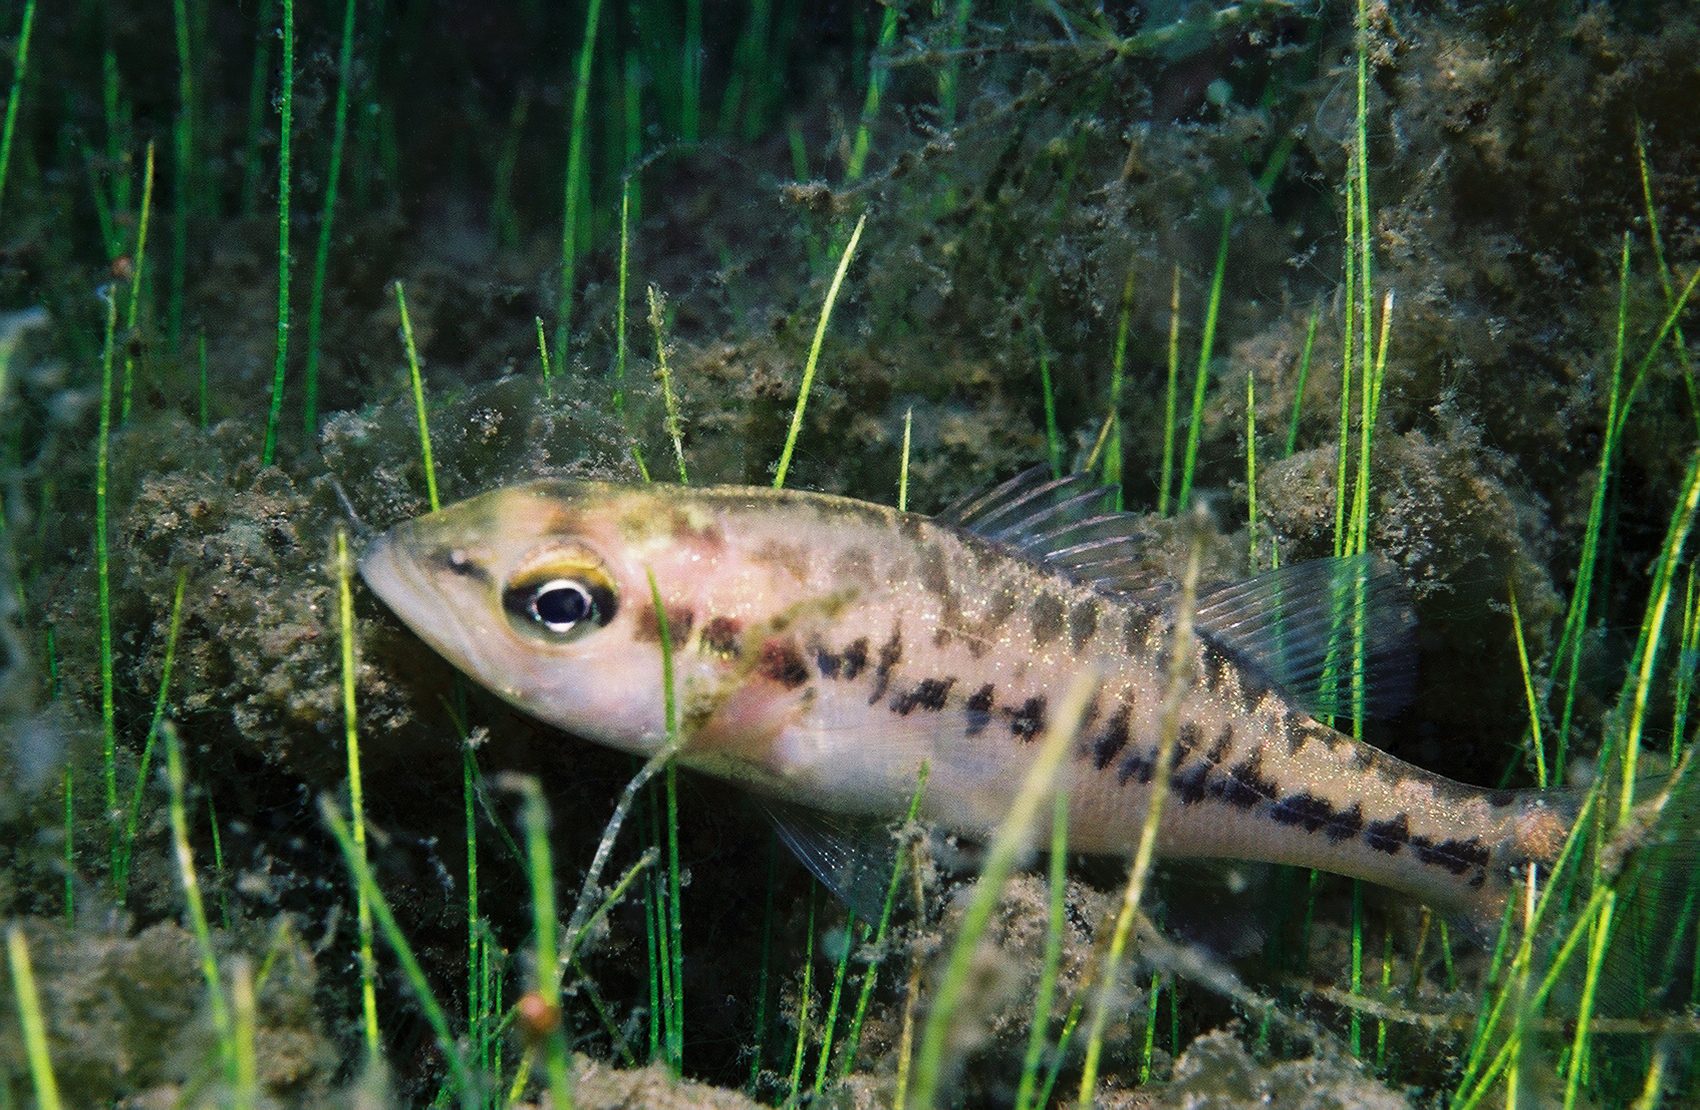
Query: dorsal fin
(1299, 625)
(1063, 522)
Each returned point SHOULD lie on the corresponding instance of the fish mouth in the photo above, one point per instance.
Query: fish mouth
(393, 571)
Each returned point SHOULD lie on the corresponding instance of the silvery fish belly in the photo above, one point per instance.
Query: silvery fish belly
(824, 649)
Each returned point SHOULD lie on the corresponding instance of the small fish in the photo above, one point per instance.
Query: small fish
(824, 649)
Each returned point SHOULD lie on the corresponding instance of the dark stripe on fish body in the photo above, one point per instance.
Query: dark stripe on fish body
(1306, 810)
(979, 709)
(890, 653)
(1136, 765)
(678, 625)
(1082, 623)
(1219, 749)
(720, 635)
(855, 657)
(781, 661)
(1215, 666)
(1047, 618)
(1187, 741)
(1244, 785)
(1136, 629)
(1028, 721)
(1109, 743)
(1347, 823)
(1293, 727)
(1388, 836)
(827, 663)
(931, 695)
(1456, 856)
(1190, 787)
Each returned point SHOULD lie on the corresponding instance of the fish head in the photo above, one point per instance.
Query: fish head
(542, 593)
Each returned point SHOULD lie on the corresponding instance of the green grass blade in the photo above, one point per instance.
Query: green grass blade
(357, 809)
(29, 1017)
(286, 82)
(578, 140)
(121, 875)
(20, 70)
(814, 353)
(322, 253)
(418, 398)
(137, 268)
(1206, 347)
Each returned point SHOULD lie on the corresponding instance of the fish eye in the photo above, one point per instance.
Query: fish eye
(559, 600)
(560, 604)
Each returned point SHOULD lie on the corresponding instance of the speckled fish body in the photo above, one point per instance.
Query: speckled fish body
(824, 648)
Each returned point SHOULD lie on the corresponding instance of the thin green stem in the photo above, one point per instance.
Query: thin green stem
(1206, 348)
(1166, 475)
(20, 70)
(578, 140)
(121, 873)
(1299, 387)
(192, 895)
(183, 165)
(103, 582)
(322, 254)
(418, 398)
(285, 110)
(814, 353)
(357, 809)
(534, 815)
(669, 401)
(137, 267)
(29, 1017)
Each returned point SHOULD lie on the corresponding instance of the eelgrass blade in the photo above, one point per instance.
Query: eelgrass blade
(1299, 386)
(321, 255)
(578, 140)
(534, 815)
(1011, 841)
(351, 742)
(29, 1017)
(121, 873)
(1179, 680)
(418, 398)
(20, 70)
(804, 997)
(137, 268)
(464, 1081)
(814, 353)
(183, 166)
(1118, 361)
(285, 109)
(1166, 474)
(192, 896)
(1046, 991)
(1206, 348)
(669, 401)
(103, 584)
(246, 1095)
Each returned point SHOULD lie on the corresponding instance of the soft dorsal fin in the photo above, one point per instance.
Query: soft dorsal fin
(1063, 522)
(1301, 626)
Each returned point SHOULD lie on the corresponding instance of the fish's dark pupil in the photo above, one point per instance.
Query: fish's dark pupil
(560, 605)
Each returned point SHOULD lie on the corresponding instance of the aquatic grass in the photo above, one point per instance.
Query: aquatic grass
(285, 109)
(28, 1000)
(461, 1075)
(121, 863)
(1012, 840)
(322, 253)
(803, 998)
(137, 269)
(814, 353)
(251, 161)
(903, 461)
(20, 71)
(504, 217)
(672, 933)
(356, 804)
(185, 859)
(1045, 992)
(878, 75)
(183, 165)
(419, 398)
(1166, 472)
(1536, 747)
(1177, 682)
(573, 221)
(1118, 361)
(1206, 348)
(1299, 386)
(540, 871)
(103, 579)
(669, 401)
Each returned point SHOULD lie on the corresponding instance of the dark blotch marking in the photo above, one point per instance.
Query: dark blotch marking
(1252, 692)
(855, 657)
(979, 709)
(1215, 666)
(1347, 823)
(458, 562)
(1478, 880)
(1190, 786)
(1082, 623)
(934, 577)
(1306, 810)
(781, 661)
(1136, 765)
(1187, 741)
(1501, 797)
(1244, 785)
(720, 635)
(1388, 836)
(999, 611)
(679, 621)
(930, 695)
(1457, 856)
(1047, 616)
(1109, 743)
(1219, 749)
(1293, 726)
(1137, 628)
(890, 653)
(1028, 721)
(827, 663)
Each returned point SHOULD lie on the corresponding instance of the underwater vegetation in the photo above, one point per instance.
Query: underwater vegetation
(1409, 278)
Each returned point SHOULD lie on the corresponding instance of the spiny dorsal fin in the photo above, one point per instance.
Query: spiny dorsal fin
(1299, 625)
(1063, 522)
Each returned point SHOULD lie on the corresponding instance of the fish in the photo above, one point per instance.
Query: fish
(823, 650)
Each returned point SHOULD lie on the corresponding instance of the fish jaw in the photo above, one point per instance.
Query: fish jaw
(444, 573)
